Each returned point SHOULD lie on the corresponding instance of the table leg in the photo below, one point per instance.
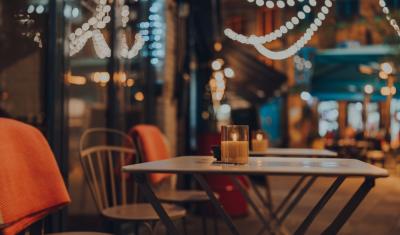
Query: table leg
(149, 194)
(246, 195)
(290, 194)
(267, 202)
(350, 207)
(319, 206)
(297, 199)
(216, 204)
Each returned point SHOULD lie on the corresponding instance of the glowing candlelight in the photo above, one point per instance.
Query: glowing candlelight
(259, 142)
(235, 144)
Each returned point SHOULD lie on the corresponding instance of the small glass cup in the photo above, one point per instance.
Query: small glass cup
(235, 144)
(259, 141)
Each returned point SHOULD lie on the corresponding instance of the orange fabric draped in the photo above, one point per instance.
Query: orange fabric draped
(31, 185)
(153, 146)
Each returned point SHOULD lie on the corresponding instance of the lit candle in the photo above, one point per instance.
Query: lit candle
(235, 148)
(259, 143)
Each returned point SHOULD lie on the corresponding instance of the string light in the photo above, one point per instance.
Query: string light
(389, 18)
(258, 41)
(278, 4)
(91, 30)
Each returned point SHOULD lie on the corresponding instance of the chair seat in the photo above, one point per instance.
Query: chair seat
(142, 211)
(375, 155)
(79, 233)
(182, 196)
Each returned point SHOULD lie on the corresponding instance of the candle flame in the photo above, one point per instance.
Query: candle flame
(235, 136)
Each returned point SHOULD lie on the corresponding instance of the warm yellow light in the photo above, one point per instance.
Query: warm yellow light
(385, 91)
(213, 83)
(235, 136)
(368, 89)
(229, 73)
(121, 77)
(220, 85)
(139, 96)
(205, 115)
(393, 90)
(259, 137)
(130, 82)
(219, 76)
(76, 80)
(387, 68)
(217, 64)
(366, 69)
(101, 77)
(383, 75)
(217, 46)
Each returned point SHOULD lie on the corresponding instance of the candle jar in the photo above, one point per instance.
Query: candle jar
(259, 141)
(235, 144)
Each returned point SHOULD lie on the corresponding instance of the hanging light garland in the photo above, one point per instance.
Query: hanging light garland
(91, 30)
(258, 41)
(279, 4)
(389, 18)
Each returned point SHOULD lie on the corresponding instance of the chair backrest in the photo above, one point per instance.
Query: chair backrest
(31, 185)
(102, 164)
(151, 145)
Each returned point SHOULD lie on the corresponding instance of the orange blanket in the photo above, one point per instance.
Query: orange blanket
(153, 146)
(31, 185)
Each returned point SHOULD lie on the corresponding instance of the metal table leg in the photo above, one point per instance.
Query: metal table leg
(246, 195)
(297, 199)
(149, 194)
(290, 194)
(319, 206)
(267, 200)
(216, 204)
(350, 207)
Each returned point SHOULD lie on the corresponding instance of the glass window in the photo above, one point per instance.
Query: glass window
(328, 117)
(23, 25)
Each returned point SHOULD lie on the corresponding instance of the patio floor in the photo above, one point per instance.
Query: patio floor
(379, 213)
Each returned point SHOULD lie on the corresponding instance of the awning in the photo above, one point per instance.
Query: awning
(254, 80)
(337, 75)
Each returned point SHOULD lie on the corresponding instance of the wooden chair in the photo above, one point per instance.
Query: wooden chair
(152, 145)
(114, 194)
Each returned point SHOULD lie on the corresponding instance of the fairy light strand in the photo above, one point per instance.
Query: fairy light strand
(389, 18)
(278, 33)
(258, 41)
(91, 30)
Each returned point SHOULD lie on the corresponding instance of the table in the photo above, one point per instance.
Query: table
(295, 152)
(340, 169)
(296, 193)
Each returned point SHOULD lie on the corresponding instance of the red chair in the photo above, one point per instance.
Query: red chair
(152, 145)
(31, 186)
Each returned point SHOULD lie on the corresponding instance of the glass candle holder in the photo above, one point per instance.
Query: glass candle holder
(259, 141)
(235, 144)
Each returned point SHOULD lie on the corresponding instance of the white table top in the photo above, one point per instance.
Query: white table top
(302, 152)
(262, 165)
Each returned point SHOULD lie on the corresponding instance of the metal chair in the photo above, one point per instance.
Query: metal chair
(114, 194)
(148, 137)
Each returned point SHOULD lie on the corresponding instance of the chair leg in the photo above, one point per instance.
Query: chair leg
(184, 225)
(216, 231)
(204, 219)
